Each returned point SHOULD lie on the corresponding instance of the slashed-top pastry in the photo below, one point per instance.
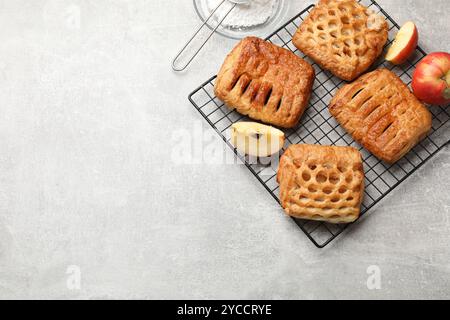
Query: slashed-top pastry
(324, 183)
(382, 114)
(342, 36)
(265, 82)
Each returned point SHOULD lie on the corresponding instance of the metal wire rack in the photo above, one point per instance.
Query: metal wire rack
(318, 127)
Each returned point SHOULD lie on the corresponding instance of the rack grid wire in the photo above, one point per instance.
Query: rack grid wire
(317, 126)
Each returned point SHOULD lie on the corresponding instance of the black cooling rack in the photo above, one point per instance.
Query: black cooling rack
(317, 126)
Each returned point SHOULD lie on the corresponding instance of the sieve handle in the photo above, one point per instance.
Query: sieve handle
(183, 67)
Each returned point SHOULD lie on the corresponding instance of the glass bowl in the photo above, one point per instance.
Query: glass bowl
(262, 31)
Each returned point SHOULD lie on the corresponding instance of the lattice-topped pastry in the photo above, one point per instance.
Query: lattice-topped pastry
(265, 82)
(324, 183)
(380, 112)
(342, 36)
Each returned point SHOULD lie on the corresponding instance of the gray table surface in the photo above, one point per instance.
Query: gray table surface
(94, 202)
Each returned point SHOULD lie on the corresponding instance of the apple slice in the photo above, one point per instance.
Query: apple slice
(256, 139)
(404, 44)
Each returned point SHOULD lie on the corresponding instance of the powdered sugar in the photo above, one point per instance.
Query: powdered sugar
(256, 13)
(374, 21)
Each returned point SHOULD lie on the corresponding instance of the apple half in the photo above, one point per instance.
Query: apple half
(256, 139)
(404, 44)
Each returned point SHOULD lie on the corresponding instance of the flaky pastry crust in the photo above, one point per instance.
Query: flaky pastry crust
(265, 82)
(381, 114)
(342, 36)
(324, 183)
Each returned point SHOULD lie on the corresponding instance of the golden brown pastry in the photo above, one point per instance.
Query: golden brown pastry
(322, 183)
(342, 36)
(381, 114)
(265, 82)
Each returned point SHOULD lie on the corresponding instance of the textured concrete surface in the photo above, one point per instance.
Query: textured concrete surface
(94, 205)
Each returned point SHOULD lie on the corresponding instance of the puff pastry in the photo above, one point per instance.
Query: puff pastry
(265, 82)
(382, 114)
(342, 36)
(323, 183)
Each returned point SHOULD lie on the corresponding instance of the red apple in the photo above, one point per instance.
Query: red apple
(431, 79)
(404, 44)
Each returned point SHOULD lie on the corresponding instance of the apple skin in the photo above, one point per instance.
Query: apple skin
(407, 50)
(431, 79)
